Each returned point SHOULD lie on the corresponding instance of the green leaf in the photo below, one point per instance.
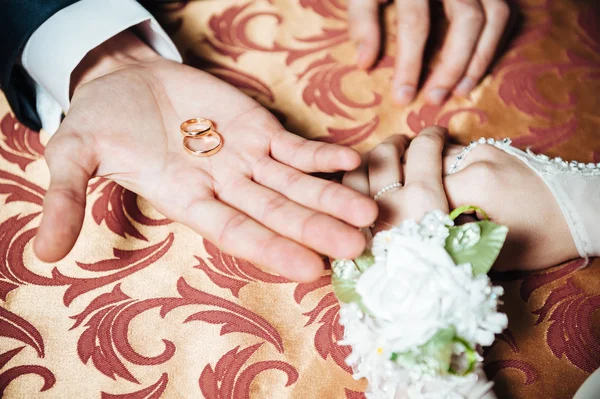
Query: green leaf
(481, 254)
(364, 261)
(345, 291)
(462, 209)
(435, 353)
(471, 357)
(439, 347)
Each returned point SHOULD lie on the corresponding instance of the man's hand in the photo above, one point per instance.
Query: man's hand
(252, 199)
(476, 27)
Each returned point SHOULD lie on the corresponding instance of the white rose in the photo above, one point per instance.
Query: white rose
(411, 290)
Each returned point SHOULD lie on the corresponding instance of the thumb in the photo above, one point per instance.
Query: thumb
(473, 185)
(72, 163)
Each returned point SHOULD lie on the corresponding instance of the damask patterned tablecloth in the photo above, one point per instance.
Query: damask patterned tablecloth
(145, 308)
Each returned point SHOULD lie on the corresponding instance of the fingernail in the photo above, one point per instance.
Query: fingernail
(404, 94)
(437, 95)
(465, 86)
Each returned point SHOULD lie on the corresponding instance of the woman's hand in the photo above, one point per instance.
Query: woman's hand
(504, 187)
(476, 27)
(421, 176)
(512, 194)
(254, 199)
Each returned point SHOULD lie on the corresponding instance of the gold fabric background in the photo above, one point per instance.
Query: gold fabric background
(144, 308)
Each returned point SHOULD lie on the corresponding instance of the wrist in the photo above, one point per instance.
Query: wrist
(123, 50)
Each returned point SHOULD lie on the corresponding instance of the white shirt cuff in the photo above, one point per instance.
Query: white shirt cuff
(59, 44)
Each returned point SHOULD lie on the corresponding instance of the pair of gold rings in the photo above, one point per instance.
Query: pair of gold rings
(200, 139)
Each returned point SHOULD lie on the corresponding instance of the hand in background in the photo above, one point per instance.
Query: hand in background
(503, 186)
(253, 199)
(476, 27)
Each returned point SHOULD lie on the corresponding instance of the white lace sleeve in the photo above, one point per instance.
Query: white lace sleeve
(575, 186)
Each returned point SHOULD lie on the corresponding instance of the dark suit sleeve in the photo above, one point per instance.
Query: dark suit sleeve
(18, 20)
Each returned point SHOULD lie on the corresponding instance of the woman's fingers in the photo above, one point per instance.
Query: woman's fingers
(358, 179)
(423, 173)
(385, 169)
(385, 166)
(467, 20)
(315, 230)
(424, 157)
(497, 14)
(413, 29)
(363, 23)
(318, 194)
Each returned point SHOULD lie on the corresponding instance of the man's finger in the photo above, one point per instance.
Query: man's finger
(363, 23)
(314, 230)
(312, 156)
(241, 236)
(318, 194)
(466, 22)
(413, 29)
(497, 13)
(71, 163)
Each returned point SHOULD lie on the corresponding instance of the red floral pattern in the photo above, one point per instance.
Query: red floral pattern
(144, 309)
(228, 381)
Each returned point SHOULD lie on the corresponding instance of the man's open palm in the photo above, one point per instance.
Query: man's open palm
(252, 199)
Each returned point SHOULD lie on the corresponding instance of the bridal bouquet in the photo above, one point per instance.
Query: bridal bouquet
(418, 304)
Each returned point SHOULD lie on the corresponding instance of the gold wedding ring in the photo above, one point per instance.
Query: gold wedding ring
(194, 135)
(187, 127)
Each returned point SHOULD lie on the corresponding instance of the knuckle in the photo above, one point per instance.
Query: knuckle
(298, 148)
(499, 11)
(227, 233)
(327, 191)
(59, 144)
(271, 205)
(383, 152)
(308, 228)
(263, 161)
(488, 153)
(68, 198)
(421, 189)
(293, 178)
(472, 13)
(413, 19)
(260, 164)
(429, 138)
(483, 174)
(320, 153)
